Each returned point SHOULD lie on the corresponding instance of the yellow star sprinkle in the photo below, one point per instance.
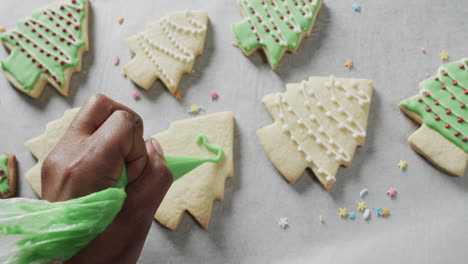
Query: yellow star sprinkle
(349, 63)
(444, 55)
(386, 212)
(343, 212)
(361, 206)
(194, 108)
(402, 164)
(321, 219)
(177, 95)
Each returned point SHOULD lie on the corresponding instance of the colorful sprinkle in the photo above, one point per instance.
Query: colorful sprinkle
(379, 211)
(423, 50)
(352, 215)
(356, 7)
(214, 95)
(120, 20)
(136, 96)
(444, 55)
(343, 212)
(321, 219)
(391, 192)
(363, 193)
(349, 63)
(402, 164)
(117, 61)
(385, 212)
(362, 206)
(2, 29)
(283, 222)
(178, 95)
(366, 214)
(194, 109)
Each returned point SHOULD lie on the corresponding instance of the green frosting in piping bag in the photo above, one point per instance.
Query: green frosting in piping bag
(47, 42)
(4, 175)
(37, 231)
(275, 25)
(442, 102)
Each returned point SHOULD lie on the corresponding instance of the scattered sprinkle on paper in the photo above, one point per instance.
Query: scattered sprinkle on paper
(120, 20)
(2, 29)
(283, 222)
(214, 95)
(321, 219)
(362, 206)
(117, 61)
(352, 215)
(356, 7)
(391, 192)
(363, 193)
(366, 214)
(444, 55)
(136, 96)
(195, 109)
(385, 212)
(423, 50)
(379, 211)
(343, 212)
(402, 164)
(349, 63)
(178, 95)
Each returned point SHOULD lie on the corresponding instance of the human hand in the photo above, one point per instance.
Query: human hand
(90, 157)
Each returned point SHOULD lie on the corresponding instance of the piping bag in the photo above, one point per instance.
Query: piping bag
(37, 231)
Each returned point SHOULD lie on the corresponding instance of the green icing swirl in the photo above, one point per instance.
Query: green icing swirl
(274, 25)
(4, 183)
(48, 42)
(442, 102)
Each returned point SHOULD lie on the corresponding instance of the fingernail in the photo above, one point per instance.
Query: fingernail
(157, 147)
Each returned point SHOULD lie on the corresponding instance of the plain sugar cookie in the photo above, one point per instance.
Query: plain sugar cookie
(275, 26)
(47, 47)
(441, 108)
(167, 49)
(317, 124)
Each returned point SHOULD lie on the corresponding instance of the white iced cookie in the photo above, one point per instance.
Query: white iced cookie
(196, 191)
(47, 47)
(167, 49)
(318, 125)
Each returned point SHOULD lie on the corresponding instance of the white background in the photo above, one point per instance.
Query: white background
(430, 216)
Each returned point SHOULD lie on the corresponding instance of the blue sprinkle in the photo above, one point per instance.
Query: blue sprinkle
(379, 211)
(352, 215)
(356, 7)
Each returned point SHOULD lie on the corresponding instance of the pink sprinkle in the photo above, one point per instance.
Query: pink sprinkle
(136, 96)
(392, 192)
(117, 61)
(214, 95)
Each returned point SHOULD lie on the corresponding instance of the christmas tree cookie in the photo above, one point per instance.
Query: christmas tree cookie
(47, 47)
(275, 26)
(167, 49)
(7, 176)
(441, 108)
(317, 124)
(196, 191)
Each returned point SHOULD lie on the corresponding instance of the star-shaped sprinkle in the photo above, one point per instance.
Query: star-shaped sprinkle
(356, 7)
(391, 192)
(361, 206)
(120, 20)
(194, 109)
(352, 215)
(177, 95)
(402, 164)
(214, 95)
(321, 219)
(136, 96)
(444, 55)
(378, 211)
(349, 63)
(343, 212)
(283, 222)
(386, 212)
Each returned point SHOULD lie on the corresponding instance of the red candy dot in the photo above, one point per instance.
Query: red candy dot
(457, 133)
(459, 120)
(268, 15)
(51, 18)
(258, 38)
(428, 109)
(69, 14)
(447, 125)
(437, 118)
(275, 27)
(17, 43)
(59, 82)
(56, 58)
(453, 97)
(455, 83)
(288, 11)
(259, 20)
(48, 54)
(39, 66)
(46, 70)
(437, 78)
(252, 27)
(303, 13)
(77, 27)
(291, 26)
(281, 17)
(464, 139)
(462, 105)
(40, 35)
(68, 43)
(253, 11)
(62, 38)
(62, 8)
(78, 10)
(57, 25)
(462, 66)
(64, 30)
(277, 39)
(54, 77)
(62, 63)
(448, 112)
(68, 22)
(60, 17)
(28, 55)
(267, 29)
(445, 73)
(428, 94)
(436, 102)
(22, 49)
(420, 100)
(466, 91)
(33, 60)
(73, 1)
(444, 86)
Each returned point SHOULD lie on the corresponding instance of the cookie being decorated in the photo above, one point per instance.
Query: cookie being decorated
(167, 49)
(317, 124)
(441, 108)
(275, 26)
(47, 47)
(7, 176)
